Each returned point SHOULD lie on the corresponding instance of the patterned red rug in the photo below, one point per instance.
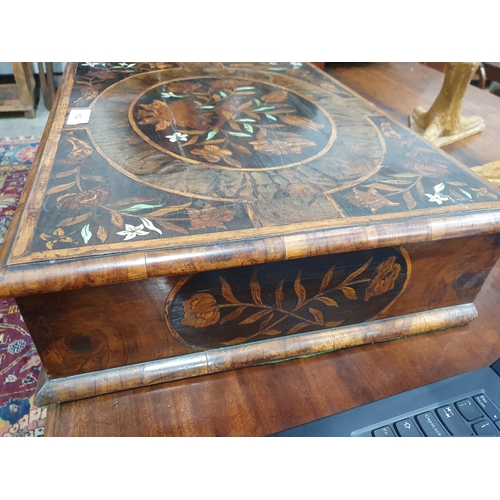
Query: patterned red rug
(19, 361)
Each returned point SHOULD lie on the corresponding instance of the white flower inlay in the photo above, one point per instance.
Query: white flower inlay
(437, 197)
(177, 137)
(166, 95)
(123, 65)
(296, 64)
(132, 231)
(150, 225)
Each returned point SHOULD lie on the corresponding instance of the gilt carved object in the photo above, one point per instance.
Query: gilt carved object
(443, 123)
(490, 170)
(213, 216)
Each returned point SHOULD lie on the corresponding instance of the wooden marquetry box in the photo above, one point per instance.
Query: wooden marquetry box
(185, 219)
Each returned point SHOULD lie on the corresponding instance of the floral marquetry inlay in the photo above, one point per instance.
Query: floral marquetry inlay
(212, 152)
(231, 307)
(238, 123)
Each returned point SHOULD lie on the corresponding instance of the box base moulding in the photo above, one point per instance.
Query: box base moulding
(229, 358)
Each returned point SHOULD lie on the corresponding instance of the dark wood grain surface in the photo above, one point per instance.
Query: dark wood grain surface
(259, 401)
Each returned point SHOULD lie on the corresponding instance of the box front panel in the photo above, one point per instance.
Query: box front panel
(118, 325)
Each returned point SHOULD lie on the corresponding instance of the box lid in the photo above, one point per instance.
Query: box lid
(157, 169)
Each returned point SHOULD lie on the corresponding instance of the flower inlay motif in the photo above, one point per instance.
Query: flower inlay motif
(233, 123)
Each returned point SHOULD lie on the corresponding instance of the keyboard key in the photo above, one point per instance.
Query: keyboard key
(407, 428)
(487, 407)
(485, 428)
(384, 432)
(468, 409)
(430, 425)
(453, 421)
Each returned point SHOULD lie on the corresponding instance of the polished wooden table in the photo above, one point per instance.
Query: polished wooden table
(259, 401)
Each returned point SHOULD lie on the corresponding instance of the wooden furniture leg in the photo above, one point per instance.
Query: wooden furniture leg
(43, 84)
(47, 85)
(25, 81)
(51, 83)
(481, 72)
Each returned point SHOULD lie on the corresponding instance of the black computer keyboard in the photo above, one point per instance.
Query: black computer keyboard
(464, 405)
(473, 415)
